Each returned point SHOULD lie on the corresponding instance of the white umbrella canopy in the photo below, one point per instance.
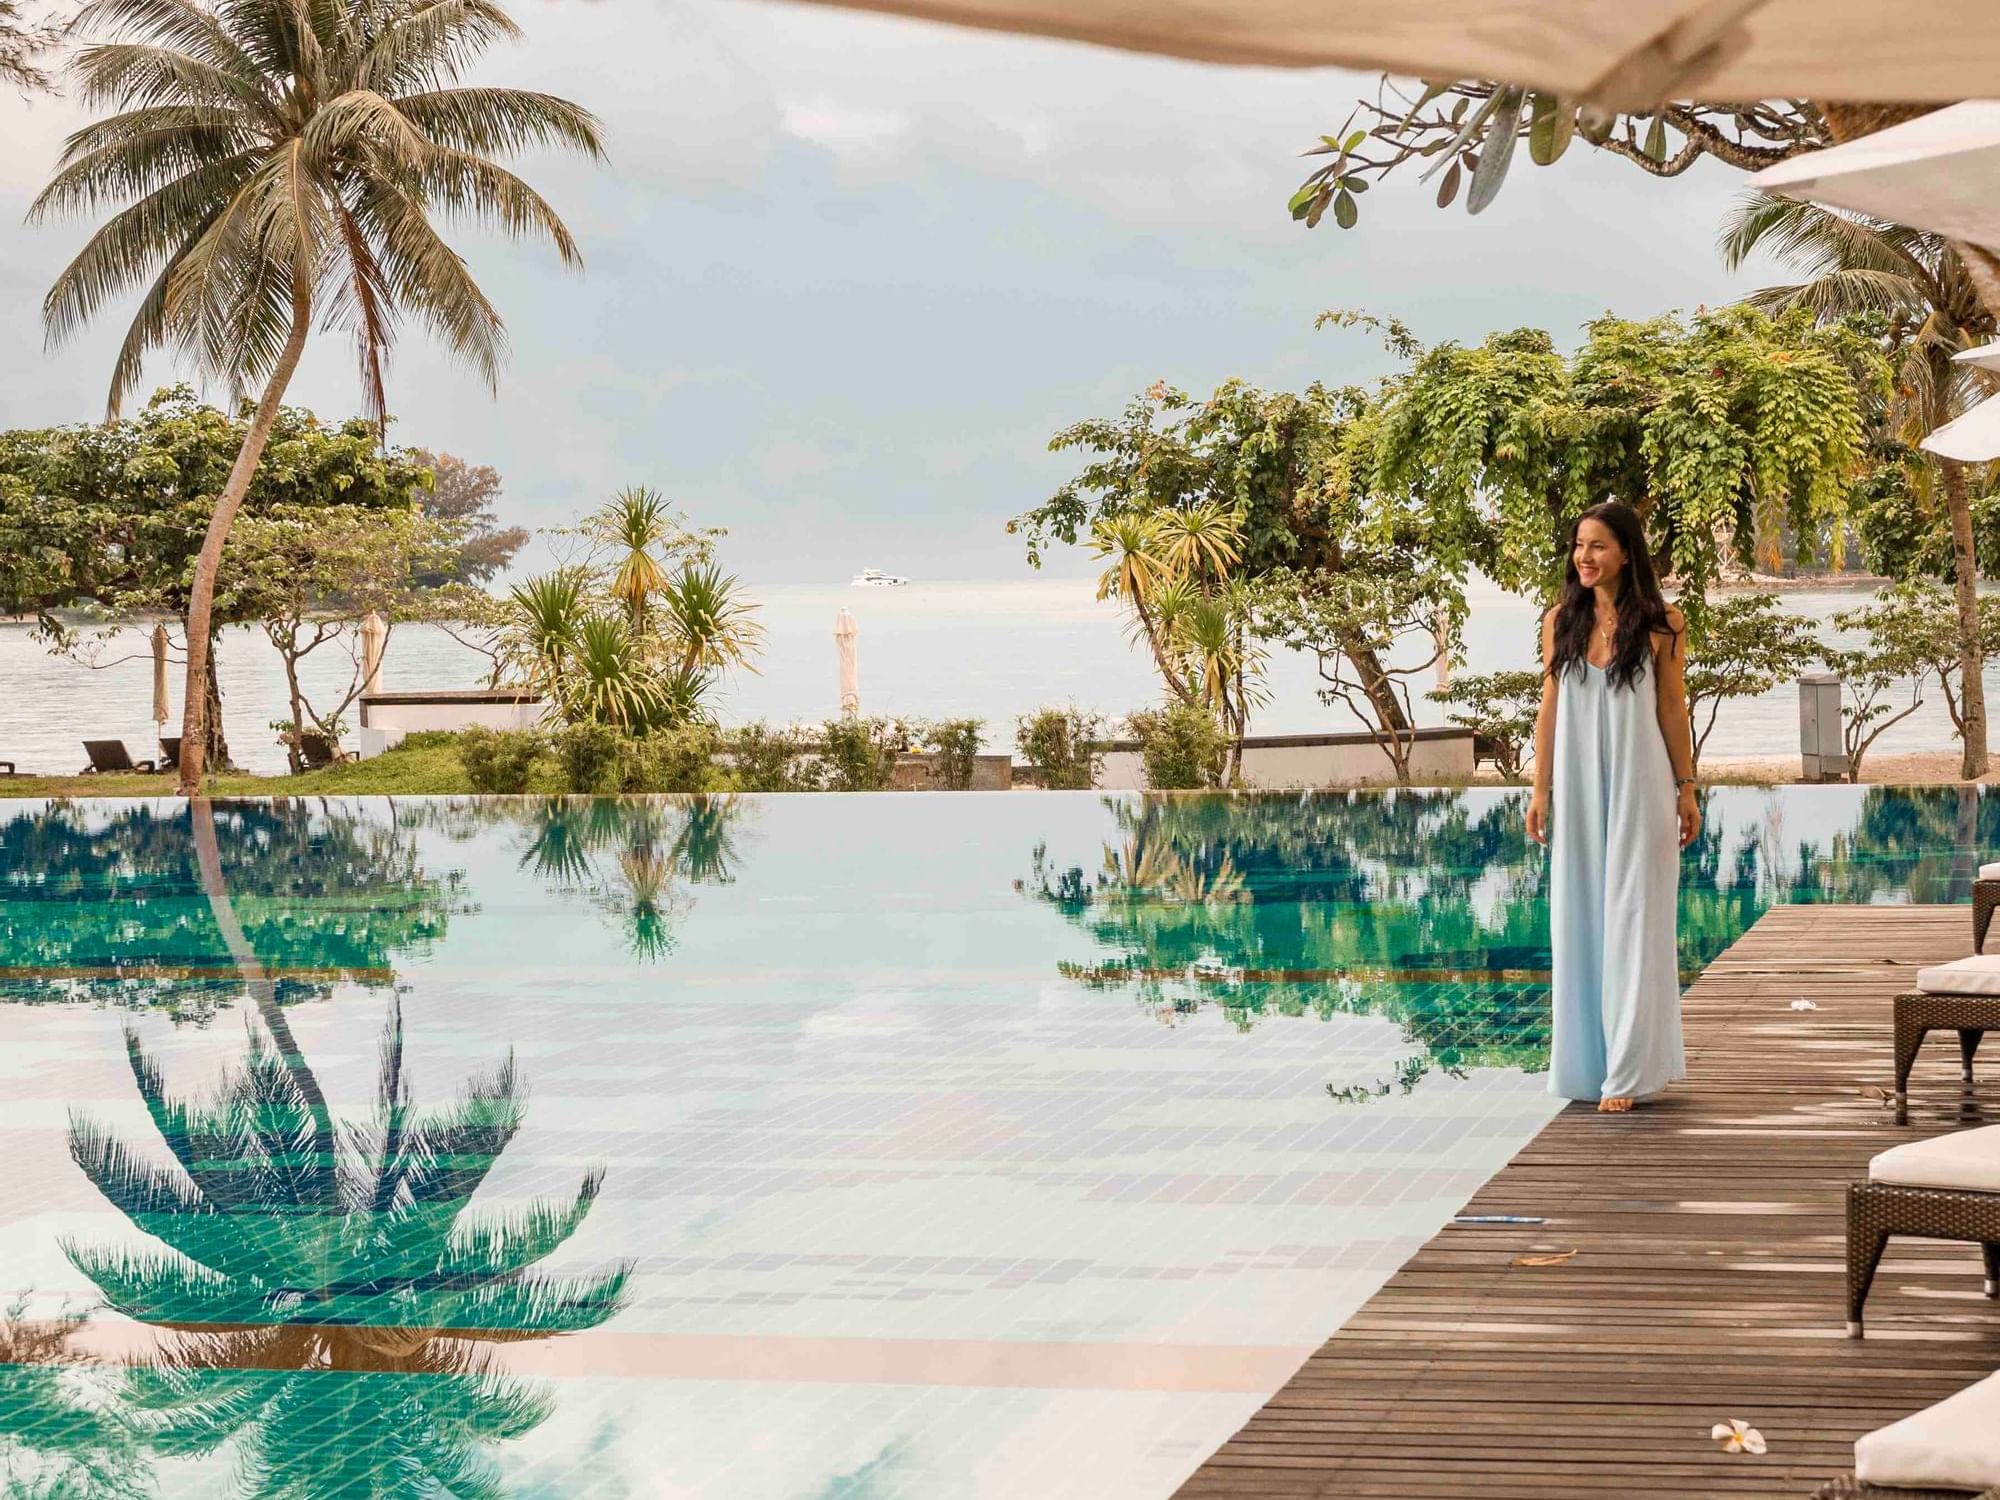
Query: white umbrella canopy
(1622, 53)
(1986, 356)
(845, 633)
(1939, 172)
(1971, 439)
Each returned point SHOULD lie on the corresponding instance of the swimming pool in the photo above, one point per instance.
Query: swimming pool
(925, 1146)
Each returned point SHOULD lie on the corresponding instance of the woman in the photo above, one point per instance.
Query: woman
(1612, 737)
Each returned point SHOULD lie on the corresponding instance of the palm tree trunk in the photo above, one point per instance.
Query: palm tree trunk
(201, 597)
(1971, 649)
(257, 979)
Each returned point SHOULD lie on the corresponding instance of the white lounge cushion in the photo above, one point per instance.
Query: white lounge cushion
(1968, 1160)
(1977, 975)
(1989, 872)
(1954, 1445)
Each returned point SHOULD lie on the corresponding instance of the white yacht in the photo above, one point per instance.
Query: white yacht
(875, 578)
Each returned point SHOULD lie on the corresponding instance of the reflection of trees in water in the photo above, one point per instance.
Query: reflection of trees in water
(1430, 908)
(61, 1438)
(631, 857)
(107, 905)
(324, 1292)
(325, 1289)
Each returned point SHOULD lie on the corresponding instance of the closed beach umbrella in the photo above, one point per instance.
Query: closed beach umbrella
(844, 634)
(1939, 172)
(161, 713)
(374, 641)
(1622, 53)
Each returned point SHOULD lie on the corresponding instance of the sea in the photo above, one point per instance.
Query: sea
(985, 649)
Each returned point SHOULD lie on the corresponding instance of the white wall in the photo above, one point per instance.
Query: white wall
(1289, 762)
(384, 723)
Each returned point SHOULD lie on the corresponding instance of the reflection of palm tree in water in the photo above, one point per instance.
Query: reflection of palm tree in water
(653, 844)
(327, 1292)
(55, 1441)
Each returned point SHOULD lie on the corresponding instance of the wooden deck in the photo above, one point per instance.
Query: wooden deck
(1709, 1279)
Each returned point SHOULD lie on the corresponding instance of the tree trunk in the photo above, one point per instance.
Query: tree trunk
(1375, 685)
(256, 978)
(294, 752)
(217, 746)
(1971, 649)
(201, 598)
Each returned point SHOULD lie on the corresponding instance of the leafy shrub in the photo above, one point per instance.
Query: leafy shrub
(763, 759)
(860, 754)
(1181, 745)
(593, 758)
(428, 739)
(955, 743)
(509, 760)
(1060, 745)
(677, 760)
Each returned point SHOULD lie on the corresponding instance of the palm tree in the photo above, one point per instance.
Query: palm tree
(540, 634)
(283, 163)
(1920, 282)
(608, 680)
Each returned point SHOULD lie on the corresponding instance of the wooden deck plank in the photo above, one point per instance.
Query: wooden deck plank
(1709, 1279)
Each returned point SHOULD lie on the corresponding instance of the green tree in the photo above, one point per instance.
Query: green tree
(1328, 616)
(1920, 285)
(107, 520)
(1899, 652)
(310, 576)
(1745, 646)
(1728, 432)
(1500, 708)
(463, 495)
(1469, 130)
(282, 165)
(22, 45)
(1288, 471)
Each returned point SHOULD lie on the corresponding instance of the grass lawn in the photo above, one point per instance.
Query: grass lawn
(400, 772)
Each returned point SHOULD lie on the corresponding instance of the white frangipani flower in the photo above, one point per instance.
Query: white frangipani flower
(1737, 1436)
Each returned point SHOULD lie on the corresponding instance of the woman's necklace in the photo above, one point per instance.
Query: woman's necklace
(1607, 630)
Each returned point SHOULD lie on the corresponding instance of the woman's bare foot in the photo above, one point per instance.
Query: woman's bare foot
(1614, 1106)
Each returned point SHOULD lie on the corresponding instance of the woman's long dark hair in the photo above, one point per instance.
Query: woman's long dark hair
(1642, 608)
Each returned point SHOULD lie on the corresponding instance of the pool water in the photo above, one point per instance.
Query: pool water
(926, 1146)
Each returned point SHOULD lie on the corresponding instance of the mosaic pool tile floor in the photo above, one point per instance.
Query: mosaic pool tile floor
(913, 1146)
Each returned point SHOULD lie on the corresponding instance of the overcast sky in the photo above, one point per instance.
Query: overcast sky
(845, 275)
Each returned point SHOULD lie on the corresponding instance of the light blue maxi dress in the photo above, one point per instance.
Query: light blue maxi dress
(1613, 893)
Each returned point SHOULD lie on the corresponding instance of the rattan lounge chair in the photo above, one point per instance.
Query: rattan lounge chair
(316, 750)
(7, 768)
(1985, 896)
(1943, 1188)
(1949, 1451)
(1961, 996)
(111, 755)
(170, 752)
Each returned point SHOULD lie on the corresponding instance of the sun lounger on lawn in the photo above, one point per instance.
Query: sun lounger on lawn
(1950, 1449)
(316, 750)
(170, 752)
(1944, 1188)
(7, 768)
(1961, 996)
(111, 755)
